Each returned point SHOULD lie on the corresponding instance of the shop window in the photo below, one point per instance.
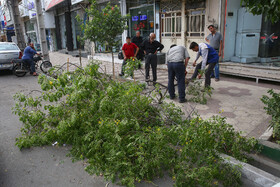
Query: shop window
(142, 19)
(195, 23)
(171, 24)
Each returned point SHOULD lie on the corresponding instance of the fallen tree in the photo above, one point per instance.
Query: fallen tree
(124, 135)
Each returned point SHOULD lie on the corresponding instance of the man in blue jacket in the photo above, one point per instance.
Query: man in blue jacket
(27, 57)
(210, 58)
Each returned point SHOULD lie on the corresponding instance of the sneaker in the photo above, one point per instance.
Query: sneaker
(120, 74)
(147, 80)
(183, 101)
(217, 80)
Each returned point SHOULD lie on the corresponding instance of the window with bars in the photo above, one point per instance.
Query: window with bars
(195, 23)
(171, 24)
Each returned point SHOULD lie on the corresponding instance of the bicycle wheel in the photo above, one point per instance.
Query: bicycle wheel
(45, 66)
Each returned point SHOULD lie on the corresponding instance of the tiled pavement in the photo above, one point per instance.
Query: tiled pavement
(238, 99)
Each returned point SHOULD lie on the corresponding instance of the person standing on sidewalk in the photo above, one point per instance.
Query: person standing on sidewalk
(215, 40)
(128, 51)
(177, 59)
(151, 47)
(210, 58)
(138, 40)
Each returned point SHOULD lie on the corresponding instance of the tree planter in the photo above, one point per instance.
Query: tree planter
(270, 149)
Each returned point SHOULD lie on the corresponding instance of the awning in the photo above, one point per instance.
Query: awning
(51, 3)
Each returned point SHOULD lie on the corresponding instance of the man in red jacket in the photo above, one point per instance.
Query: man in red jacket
(128, 52)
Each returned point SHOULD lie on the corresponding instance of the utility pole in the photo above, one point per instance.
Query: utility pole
(41, 29)
(16, 19)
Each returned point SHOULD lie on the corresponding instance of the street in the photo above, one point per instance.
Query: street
(49, 165)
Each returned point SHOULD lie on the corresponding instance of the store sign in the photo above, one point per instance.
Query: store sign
(7, 14)
(269, 38)
(23, 10)
(31, 9)
(142, 18)
(51, 3)
(76, 1)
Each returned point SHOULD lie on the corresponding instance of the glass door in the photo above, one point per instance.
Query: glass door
(142, 19)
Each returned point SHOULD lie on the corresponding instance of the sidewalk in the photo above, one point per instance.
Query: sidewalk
(238, 99)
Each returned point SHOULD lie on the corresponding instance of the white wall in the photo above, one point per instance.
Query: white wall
(49, 20)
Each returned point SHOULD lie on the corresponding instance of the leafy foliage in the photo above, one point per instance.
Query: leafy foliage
(124, 135)
(273, 108)
(269, 8)
(198, 93)
(103, 26)
(131, 65)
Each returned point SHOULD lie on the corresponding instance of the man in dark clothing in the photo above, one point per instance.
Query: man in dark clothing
(151, 47)
(210, 58)
(177, 59)
(138, 40)
(27, 57)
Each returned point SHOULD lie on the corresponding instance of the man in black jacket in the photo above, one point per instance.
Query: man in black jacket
(151, 47)
(138, 40)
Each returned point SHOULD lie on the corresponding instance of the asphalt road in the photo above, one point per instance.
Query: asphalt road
(40, 166)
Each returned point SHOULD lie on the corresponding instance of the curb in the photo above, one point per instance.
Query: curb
(253, 174)
(270, 149)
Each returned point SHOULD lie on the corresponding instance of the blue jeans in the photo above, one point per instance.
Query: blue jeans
(216, 71)
(31, 63)
(176, 69)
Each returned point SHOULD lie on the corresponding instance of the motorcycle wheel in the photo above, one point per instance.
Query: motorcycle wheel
(18, 74)
(45, 66)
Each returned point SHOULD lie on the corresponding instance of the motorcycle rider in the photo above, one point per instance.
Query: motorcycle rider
(27, 57)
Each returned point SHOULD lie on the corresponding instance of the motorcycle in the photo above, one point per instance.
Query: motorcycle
(20, 68)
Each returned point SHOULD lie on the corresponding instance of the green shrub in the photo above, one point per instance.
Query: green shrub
(124, 135)
(273, 108)
(197, 92)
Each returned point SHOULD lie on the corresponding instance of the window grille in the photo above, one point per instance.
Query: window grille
(171, 24)
(195, 23)
(170, 5)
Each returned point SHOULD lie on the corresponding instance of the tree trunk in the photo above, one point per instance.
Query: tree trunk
(113, 64)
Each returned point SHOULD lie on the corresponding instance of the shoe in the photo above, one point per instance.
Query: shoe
(120, 74)
(147, 80)
(183, 101)
(172, 97)
(35, 74)
(217, 80)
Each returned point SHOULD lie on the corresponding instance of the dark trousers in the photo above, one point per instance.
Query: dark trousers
(123, 64)
(176, 70)
(140, 55)
(151, 60)
(31, 63)
(208, 72)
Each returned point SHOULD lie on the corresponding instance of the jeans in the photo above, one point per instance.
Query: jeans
(176, 69)
(31, 63)
(151, 60)
(216, 71)
(208, 72)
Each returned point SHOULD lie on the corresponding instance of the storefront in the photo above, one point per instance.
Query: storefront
(142, 19)
(62, 29)
(76, 28)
